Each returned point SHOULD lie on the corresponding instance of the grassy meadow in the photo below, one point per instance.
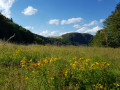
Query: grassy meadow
(37, 67)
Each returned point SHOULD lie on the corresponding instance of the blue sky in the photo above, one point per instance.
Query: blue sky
(56, 17)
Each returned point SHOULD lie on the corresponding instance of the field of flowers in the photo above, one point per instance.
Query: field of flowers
(36, 67)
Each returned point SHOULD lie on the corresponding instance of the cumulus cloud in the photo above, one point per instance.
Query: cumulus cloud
(44, 32)
(54, 21)
(76, 26)
(5, 6)
(29, 11)
(88, 30)
(48, 33)
(82, 30)
(52, 33)
(93, 30)
(29, 27)
(92, 23)
(85, 30)
(102, 20)
(72, 20)
(65, 32)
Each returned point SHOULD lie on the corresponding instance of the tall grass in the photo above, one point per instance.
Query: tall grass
(24, 67)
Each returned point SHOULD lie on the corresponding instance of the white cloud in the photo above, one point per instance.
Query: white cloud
(72, 20)
(82, 30)
(92, 23)
(5, 6)
(29, 11)
(52, 33)
(48, 33)
(44, 32)
(93, 30)
(65, 32)
(54, 21)
(76, 26)
(87, 30)
(102, 20)
(29, 27)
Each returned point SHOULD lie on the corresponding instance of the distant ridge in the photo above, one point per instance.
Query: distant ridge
(73, 38)
(24, 36)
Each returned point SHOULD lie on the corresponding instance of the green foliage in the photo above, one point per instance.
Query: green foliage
(110, 35)
(98, 39)
(72, 39)
(23, 36)
(118, 6)
(8, 28)
(76, 39)
(51, 67)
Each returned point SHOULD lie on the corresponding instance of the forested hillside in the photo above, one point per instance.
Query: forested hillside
(22, 36)
(77, 38)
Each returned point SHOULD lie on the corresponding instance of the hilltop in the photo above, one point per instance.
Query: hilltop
(23, 36)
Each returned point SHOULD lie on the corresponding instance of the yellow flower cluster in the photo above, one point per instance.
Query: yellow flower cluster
(66, 73)
(98, 86)
(70, 69)
(98, 65)
(86, 64)
(116, 84)
(23, 62)
(74, 64)
(51, 78)
(80, 63)
(28, 63)
(26, 78)
(47, 60)
(15, 54)
(19, 50)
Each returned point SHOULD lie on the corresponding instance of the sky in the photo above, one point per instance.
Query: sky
(57, 17)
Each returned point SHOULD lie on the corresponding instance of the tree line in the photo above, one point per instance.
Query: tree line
(109, 36)
(24, 36)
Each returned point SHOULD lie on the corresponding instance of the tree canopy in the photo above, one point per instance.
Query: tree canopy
(110, 34)
(22, 35)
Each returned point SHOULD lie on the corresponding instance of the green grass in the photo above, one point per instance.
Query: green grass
(59, 74)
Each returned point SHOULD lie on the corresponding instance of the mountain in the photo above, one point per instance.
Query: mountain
(72, 39)
(77, 38)
(23, 36)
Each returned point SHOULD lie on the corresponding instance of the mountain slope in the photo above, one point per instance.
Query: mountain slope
(77, 38)
(72, 39)
(24, 36)
(9, 28)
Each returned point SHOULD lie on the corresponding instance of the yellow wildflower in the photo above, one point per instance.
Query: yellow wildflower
(117, 85)
(33, 71)
(51, 78)
(87, 60)
(26, 78)
(75, 58)
(30, 60)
